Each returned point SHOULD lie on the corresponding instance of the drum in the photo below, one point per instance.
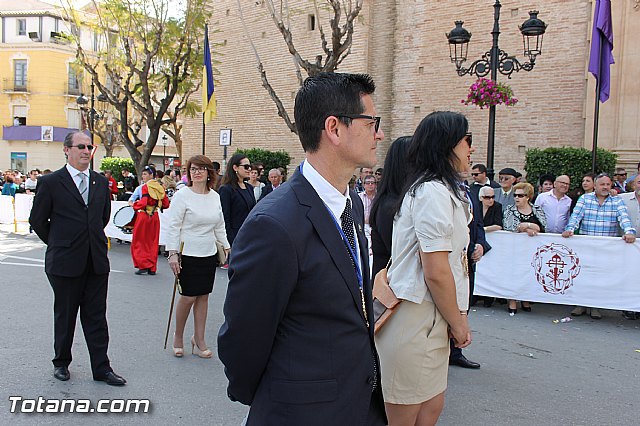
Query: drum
(124, 219)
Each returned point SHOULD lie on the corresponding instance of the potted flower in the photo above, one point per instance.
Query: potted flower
(486, 93)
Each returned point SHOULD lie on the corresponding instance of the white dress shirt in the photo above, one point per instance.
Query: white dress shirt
(556, 211)
(77, 179)
(330, 196)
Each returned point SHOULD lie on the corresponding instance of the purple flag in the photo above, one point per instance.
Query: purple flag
(602, 47)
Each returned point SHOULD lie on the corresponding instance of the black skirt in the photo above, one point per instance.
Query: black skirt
(197, 275)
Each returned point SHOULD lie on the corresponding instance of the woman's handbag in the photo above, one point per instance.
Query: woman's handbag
(222, 256)
(385, 302)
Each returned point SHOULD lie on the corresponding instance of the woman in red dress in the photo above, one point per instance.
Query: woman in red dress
(146, 229)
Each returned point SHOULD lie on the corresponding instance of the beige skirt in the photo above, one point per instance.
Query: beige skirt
(414, 354)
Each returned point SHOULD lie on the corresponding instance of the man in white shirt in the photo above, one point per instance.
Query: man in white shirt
(556, 205)
(32, 182)
(632, 201)
(297, 342)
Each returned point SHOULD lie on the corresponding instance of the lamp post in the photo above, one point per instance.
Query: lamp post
(496, 60)
(164, 153)
(92, 114)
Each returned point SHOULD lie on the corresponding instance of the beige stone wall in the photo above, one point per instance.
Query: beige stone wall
(243, 104)
(403, 45)
(619, 126)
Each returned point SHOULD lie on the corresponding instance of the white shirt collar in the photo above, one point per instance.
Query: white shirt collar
(329, 195)
(74, 172)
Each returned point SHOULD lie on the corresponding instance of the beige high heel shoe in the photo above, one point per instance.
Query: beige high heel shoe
(195, 350)
(177, 352)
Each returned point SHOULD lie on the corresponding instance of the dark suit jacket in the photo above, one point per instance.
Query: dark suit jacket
(474, 189)
(266, 190)
(70, 229)
(294, 342)
(235, 207)
(476, 230)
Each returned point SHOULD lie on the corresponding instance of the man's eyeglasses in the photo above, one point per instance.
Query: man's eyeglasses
(371, 183)
(367, 117)
(489, 197)
(246, 166)
(82, 147)
(198, 169)
(519, 195)
(619, 174)
(476, 174)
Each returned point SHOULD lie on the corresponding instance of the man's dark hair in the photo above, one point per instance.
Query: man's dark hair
(216, 166)
(68, 140)
(324, 95)
(480, 168)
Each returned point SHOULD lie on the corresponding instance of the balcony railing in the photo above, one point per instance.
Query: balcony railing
(13, 85)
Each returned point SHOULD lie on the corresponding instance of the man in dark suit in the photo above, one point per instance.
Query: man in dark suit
(275, 179)
(480, 179)
(69, 214)
(297, 342)
(478, 246)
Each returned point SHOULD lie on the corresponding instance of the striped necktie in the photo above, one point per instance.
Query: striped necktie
(83, 188)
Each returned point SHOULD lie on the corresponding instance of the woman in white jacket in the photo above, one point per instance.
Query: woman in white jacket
(196, 221)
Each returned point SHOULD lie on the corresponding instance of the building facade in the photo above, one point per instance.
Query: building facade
(40, 85)
(402, 44)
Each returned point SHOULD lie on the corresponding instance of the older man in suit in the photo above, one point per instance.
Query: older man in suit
(297, 341)
(70, 210)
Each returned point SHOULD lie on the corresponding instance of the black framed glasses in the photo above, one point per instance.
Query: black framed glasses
(475, 174)
(198, 169)
(519, 195)
(82, 147)
(366, 117)
(488, 197)
(246, 166)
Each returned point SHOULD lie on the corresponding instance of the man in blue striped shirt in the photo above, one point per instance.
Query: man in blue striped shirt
(598, 213)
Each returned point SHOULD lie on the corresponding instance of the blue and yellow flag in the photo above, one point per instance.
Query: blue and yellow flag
(208, 96)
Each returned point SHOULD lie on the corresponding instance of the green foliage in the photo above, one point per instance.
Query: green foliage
(270, 159)
(574, 162)
(116, 164)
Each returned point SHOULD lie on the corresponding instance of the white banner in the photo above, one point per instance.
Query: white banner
(6, 209)
(600, 272)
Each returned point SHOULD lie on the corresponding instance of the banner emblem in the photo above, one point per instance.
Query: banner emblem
(556, 266)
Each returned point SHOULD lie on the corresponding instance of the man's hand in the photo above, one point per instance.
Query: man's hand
(629, 238)
(477, 253)
(567, 234)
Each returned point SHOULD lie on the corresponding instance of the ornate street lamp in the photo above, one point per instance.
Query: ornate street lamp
(92, 114)
(496, 60)
(164, 153)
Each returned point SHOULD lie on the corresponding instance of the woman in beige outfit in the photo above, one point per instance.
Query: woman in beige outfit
(429, 272)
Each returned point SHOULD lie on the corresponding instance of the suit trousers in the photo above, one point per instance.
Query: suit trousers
(457, 352)
(88, 293)
(375, 417)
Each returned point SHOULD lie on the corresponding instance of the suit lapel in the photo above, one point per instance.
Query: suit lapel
(325, 227)
(67, 182)
(93, 186)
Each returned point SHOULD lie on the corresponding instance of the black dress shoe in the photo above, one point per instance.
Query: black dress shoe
(61, 373)
(112, 379)
(463, 362)
(141, 271)
(150, 272)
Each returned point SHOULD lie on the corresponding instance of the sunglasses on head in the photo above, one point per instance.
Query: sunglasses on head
(82, 147)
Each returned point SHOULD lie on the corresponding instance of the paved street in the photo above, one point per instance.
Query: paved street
(534, 372)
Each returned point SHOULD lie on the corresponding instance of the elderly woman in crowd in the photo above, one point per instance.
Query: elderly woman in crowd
(428, 272)
(491, 210)
(254, 182)
(523, 216)
(146, 229)
(196, 222)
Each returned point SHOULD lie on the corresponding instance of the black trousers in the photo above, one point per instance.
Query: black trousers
(375, 416)
(87, 293)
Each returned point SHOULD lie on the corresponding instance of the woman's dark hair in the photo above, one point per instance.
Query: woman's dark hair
(230, 177)
(149, 170)
(201, 161)
(430, 155)
(394, 176)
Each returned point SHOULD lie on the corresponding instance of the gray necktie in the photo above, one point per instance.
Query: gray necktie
(84, 193)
